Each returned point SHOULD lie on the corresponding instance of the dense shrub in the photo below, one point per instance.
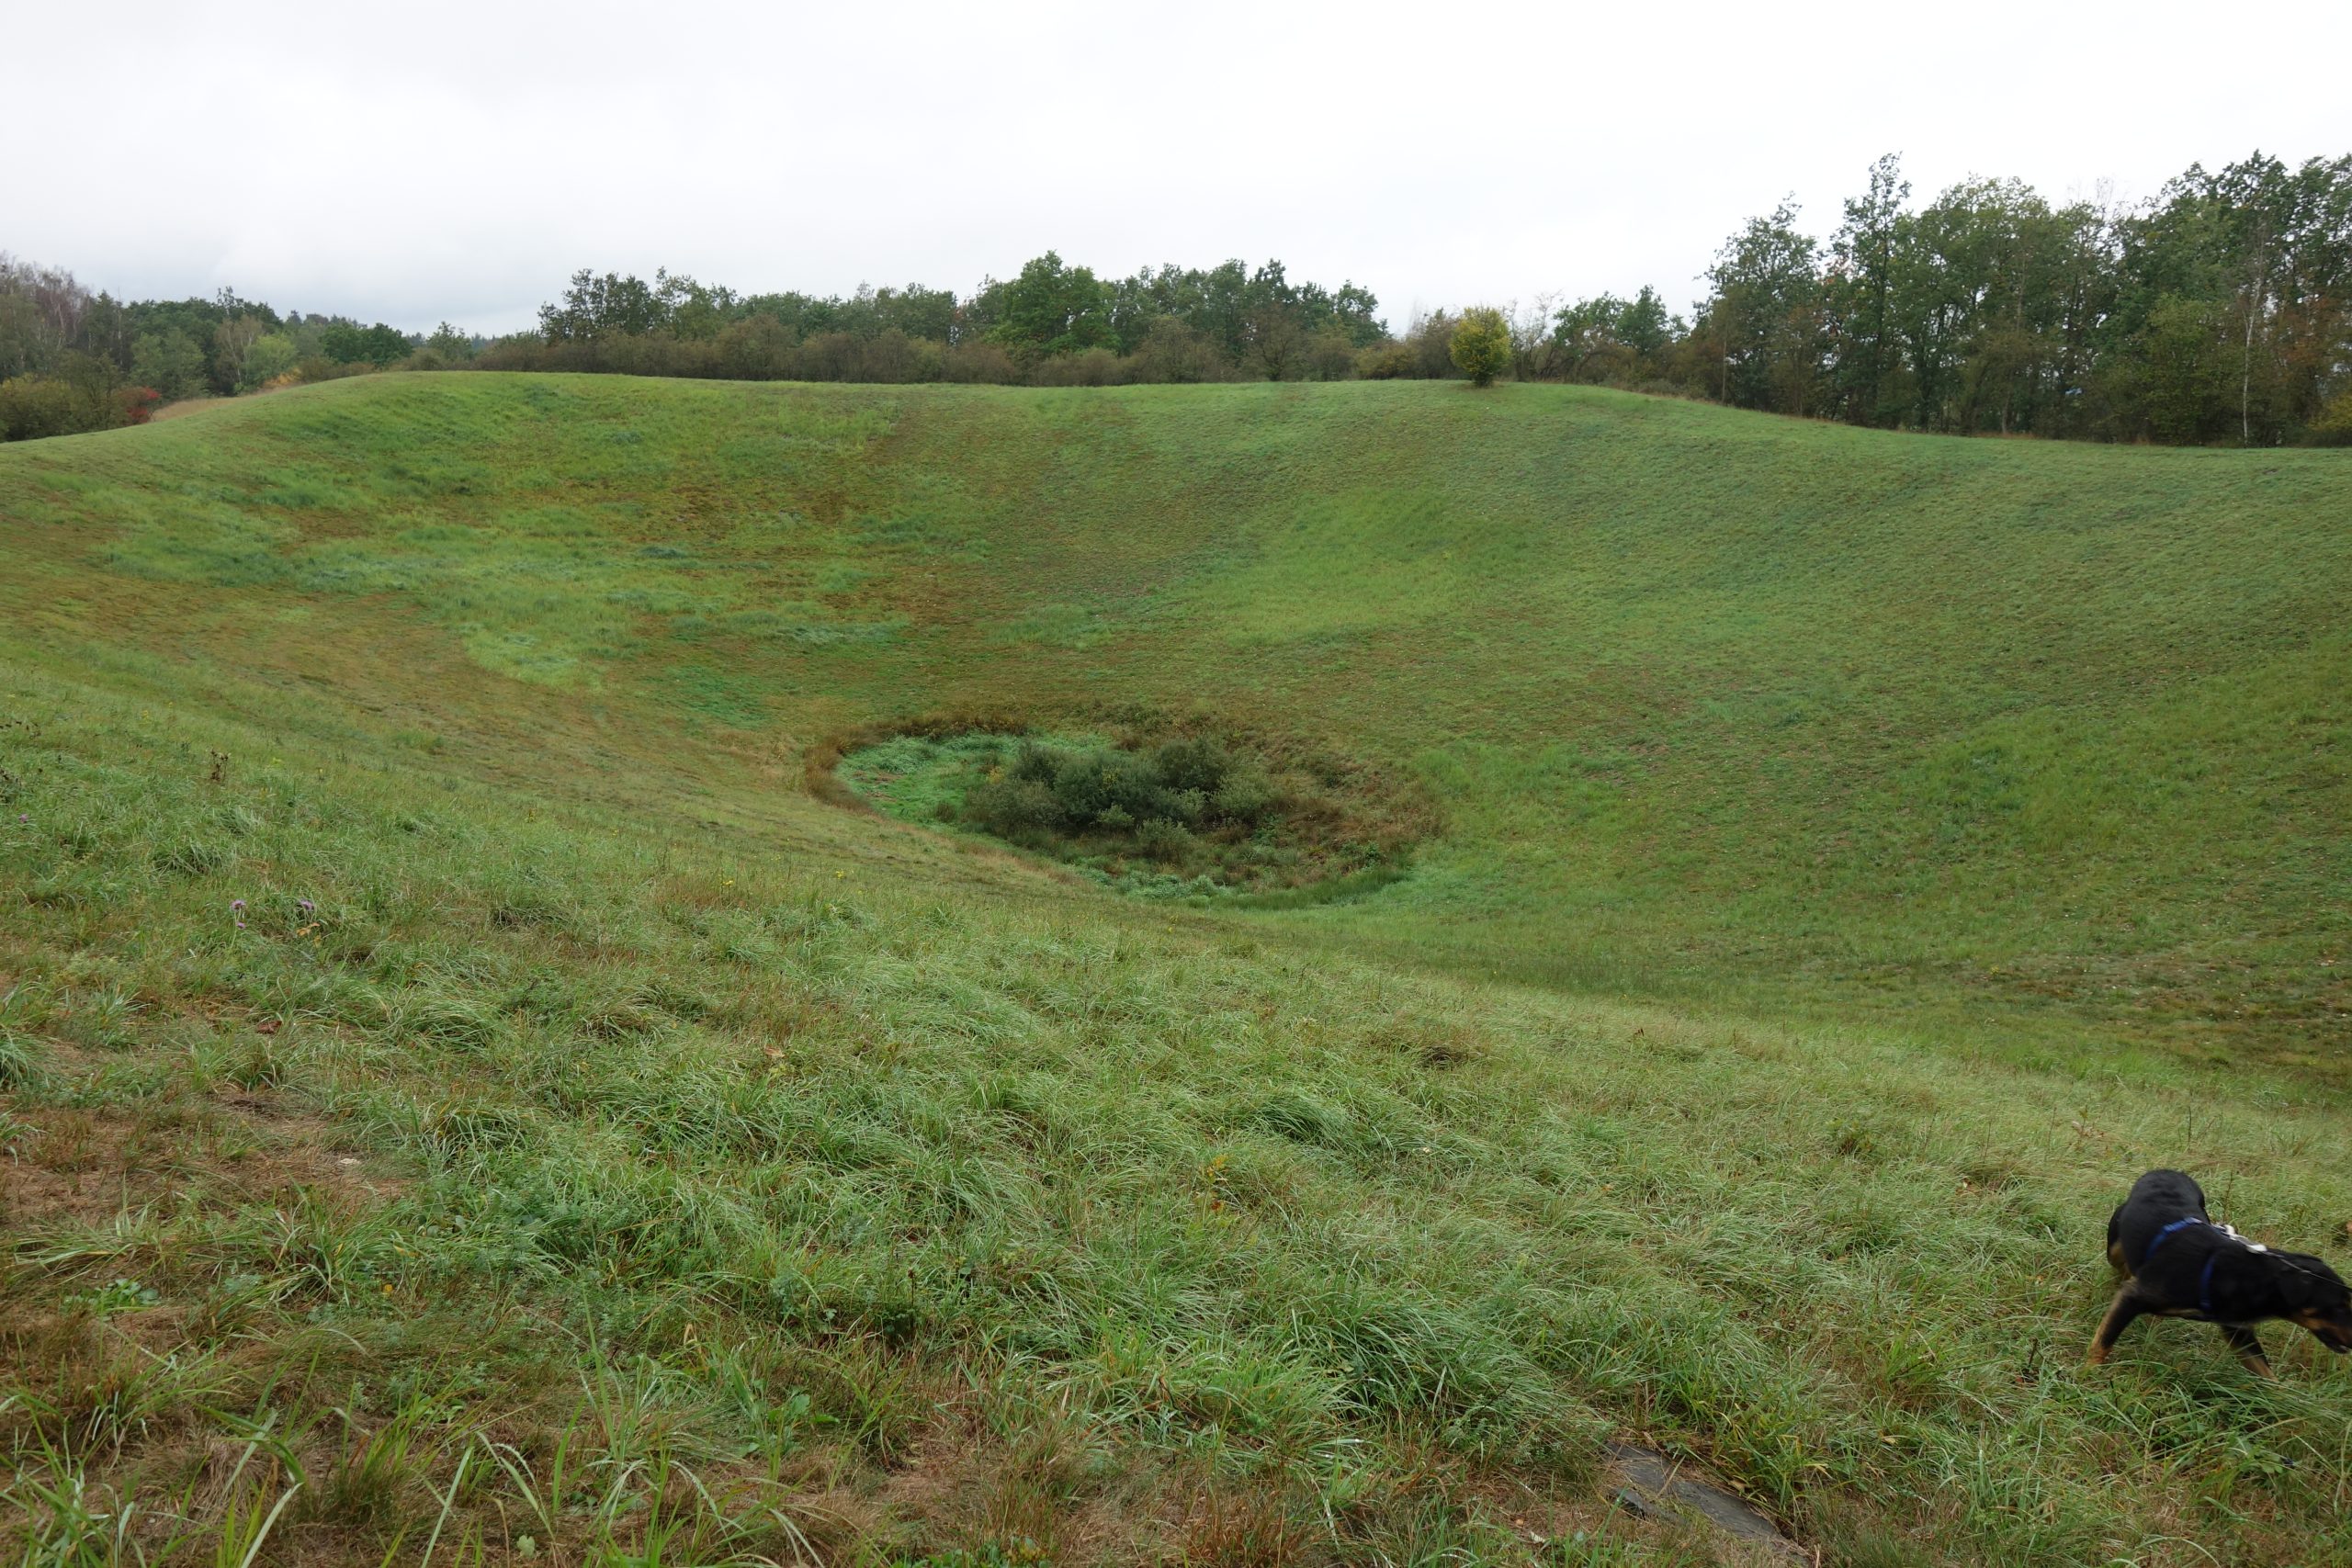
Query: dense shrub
(981, 363)
(2334, 424)
(1387, 362)
(171, 362)
(1156, 802)
(1481, 345)
(1015, 808)
(1162, 811)
(1172, 352)
(760, 348)
(1432, 341)
(1170, 843)
(1328, 357)
(35, 406)
(269, 360)
(348, 343)
(1087, 368)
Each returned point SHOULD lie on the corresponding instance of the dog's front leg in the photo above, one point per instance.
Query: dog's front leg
(2126, 1307)
(2248, 1345)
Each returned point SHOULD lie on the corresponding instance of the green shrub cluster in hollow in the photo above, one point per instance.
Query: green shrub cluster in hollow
(1190, 814)
(1161, 801)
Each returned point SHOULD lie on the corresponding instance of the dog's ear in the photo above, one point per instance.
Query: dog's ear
(2307, 1282)
(2315, 1298)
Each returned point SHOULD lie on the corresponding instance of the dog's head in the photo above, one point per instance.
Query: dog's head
(2316, 1298)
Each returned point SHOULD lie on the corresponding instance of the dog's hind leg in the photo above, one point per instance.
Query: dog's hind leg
(2248, 1345)
(2126, 1306)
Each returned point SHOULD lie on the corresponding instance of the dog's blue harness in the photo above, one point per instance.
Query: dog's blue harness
(2204, 1281)
(2166, 1234)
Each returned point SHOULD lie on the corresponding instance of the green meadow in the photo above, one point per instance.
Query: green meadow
(475, 1085)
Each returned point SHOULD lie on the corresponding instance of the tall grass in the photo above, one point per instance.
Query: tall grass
(807, 1209)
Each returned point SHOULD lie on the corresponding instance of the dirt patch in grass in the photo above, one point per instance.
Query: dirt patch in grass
(63, 1166)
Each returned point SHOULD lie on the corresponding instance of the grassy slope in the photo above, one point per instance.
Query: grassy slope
(1946, 800)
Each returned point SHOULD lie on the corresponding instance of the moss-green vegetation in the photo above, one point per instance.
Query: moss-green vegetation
(456, 1079)
(1182, 816)
(924, 778)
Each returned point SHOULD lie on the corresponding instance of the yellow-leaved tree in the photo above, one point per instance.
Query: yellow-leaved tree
(1482, 345)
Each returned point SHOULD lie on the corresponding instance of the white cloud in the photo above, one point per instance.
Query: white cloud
(459, 160)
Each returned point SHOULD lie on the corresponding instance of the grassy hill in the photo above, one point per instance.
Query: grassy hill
(1856, 857)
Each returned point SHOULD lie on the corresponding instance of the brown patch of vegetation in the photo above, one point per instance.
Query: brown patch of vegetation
(1250, 1525)
(72, 1167)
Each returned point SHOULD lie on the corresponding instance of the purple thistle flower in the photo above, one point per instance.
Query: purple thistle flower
(306, 906)
(236, 903)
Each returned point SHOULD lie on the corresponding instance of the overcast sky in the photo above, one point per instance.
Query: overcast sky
(422, 162)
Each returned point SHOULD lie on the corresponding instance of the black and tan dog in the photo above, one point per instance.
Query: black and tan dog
(2180, 1264)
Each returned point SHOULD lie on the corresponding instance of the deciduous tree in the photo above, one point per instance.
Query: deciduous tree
(1481, 345)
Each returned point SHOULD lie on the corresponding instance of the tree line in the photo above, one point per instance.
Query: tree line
(73, 360)
(2217, 311)
(1052, 323)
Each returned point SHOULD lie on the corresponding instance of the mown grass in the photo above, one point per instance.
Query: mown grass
(579, 1133)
